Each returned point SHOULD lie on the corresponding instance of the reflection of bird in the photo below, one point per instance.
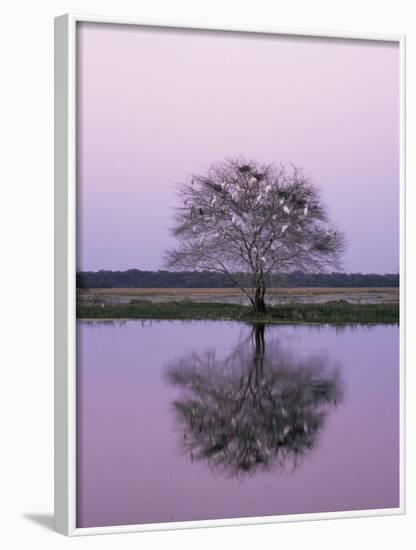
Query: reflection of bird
(201, 212)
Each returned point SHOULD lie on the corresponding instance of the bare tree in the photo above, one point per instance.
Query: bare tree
(258, 409)
(253, 218)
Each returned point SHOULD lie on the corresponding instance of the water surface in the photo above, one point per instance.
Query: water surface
(182, 421)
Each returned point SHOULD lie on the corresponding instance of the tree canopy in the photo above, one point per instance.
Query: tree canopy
(254, 218)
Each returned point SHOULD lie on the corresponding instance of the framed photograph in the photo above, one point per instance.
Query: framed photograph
(229, 285)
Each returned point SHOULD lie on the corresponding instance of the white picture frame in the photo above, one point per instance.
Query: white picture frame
(65, 271)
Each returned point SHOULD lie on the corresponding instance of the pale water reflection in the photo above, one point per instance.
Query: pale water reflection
(203, 420)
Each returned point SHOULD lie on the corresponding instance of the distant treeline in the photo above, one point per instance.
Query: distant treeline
(135, 278)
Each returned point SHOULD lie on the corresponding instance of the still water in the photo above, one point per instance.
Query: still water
(185, 421)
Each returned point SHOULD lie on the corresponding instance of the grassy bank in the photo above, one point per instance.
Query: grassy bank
(279, 292)
(330, 312)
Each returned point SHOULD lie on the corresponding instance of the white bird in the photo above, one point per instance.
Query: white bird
(284, 228)
(234, 219)
(305, 211)
(268, 188)
(258, 198)
(252, 180)
(286, 209)
(282, 201)
(194, 228)
(263, 259)
(213, 200)
(274, 217)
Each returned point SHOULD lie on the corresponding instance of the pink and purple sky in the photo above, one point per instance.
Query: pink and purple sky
(156, 105)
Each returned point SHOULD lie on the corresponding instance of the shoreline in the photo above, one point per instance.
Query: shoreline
(335, 312)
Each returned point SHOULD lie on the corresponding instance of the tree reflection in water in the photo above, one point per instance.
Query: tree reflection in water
(260, 408)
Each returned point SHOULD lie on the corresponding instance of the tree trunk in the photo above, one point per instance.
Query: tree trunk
(258, 362)
(259, 303)
(260, 291)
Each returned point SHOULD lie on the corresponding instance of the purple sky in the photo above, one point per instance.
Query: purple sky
(156, 105)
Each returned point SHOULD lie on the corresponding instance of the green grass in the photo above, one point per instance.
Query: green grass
(330, 312)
